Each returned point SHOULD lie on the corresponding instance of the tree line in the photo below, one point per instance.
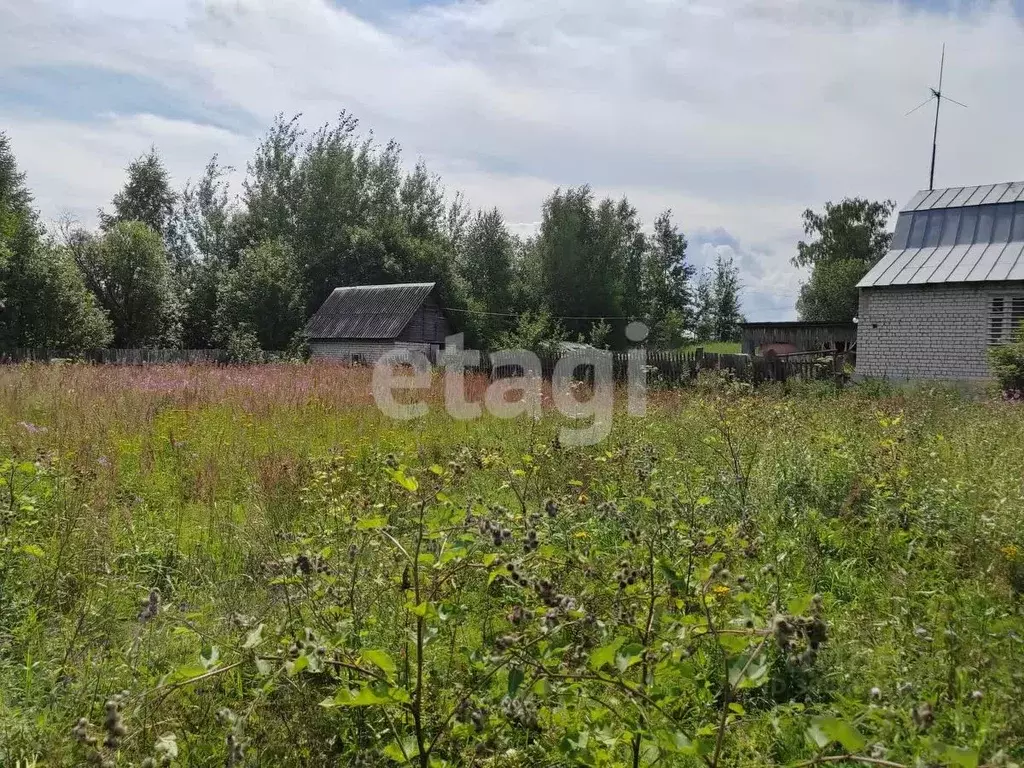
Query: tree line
(204, 266)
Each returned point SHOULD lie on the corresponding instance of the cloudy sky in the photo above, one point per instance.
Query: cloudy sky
(737, 114)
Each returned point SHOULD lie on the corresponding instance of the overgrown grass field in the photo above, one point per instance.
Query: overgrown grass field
(253, 566)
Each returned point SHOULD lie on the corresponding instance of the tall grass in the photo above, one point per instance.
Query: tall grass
(253, 565)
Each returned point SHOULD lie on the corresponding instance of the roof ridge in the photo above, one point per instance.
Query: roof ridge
(386, 285)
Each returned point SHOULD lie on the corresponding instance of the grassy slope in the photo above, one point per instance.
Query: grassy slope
(904, 513)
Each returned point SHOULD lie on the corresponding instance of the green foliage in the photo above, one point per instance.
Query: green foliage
(43, 300)
(147, 196)
(666, 286)
(1007, 364)
(849, 238)
(262, 294)
(537, 332)
(589, 256)
(242, 345)
(254, 569)
(46, 303)
(717, 304)
(127, 270)
(336, 208)
(487, 264)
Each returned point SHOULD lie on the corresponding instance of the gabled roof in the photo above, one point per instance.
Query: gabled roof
(956, 235)
(368, 311)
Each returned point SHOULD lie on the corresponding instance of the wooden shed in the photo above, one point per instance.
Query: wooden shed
(360, 323)
(786, 338)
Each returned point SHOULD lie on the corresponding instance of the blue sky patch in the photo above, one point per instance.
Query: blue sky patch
(85, 93)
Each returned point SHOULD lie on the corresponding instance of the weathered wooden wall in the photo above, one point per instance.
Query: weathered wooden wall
(806, 337)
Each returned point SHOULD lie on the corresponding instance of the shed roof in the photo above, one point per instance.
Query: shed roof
(956, 235)
(795, 324)
(368, 311)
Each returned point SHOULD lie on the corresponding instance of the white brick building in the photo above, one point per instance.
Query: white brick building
(951, 286)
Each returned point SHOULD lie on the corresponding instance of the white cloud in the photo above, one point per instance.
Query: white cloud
(77, 171)
(737, 114)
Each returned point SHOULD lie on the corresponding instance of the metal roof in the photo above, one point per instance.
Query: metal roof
(956, 235)
(368, 311)
(957, 197)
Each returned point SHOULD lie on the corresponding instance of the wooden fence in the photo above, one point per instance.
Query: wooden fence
(117, 356)
(662, 367)
(680, 368)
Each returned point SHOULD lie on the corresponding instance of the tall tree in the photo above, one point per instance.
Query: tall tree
(667, 283)
(43, 300)
(127, 270)
(262, 296)
(717, 314)
(206, 241)
(725, 289)
(146, 196)
(487, 267)
(843, 243)
(704, 310)
(587, 255)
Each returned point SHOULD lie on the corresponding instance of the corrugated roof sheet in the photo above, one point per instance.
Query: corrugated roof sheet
(941, 244)
(955, 197)
(368, 311)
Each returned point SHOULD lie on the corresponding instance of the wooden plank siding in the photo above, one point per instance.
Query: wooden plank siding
(427, 326)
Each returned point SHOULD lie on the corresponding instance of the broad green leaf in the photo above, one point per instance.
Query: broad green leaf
(417, 610)
(516, 675)
(366, 695)
(406, 481)
(183, 674)
(209, 656)
(380, 660)
(825, 730)
(254, 638)
(962, 757)
(394, 750)
(298, 665)
(628, 656)
(734, 643)
(371, 523)
(33, 549)
(799, 605)
(605, 654)
(755, 673)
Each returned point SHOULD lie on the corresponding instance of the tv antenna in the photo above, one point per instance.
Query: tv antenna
(938, 95)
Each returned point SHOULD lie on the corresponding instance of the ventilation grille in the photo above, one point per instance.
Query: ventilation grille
(1006, 317)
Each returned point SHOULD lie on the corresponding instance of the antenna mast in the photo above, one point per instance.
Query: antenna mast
(935, 132)
(938, 96)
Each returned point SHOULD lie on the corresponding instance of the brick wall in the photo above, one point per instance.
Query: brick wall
(927, 331)
(368, 351)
